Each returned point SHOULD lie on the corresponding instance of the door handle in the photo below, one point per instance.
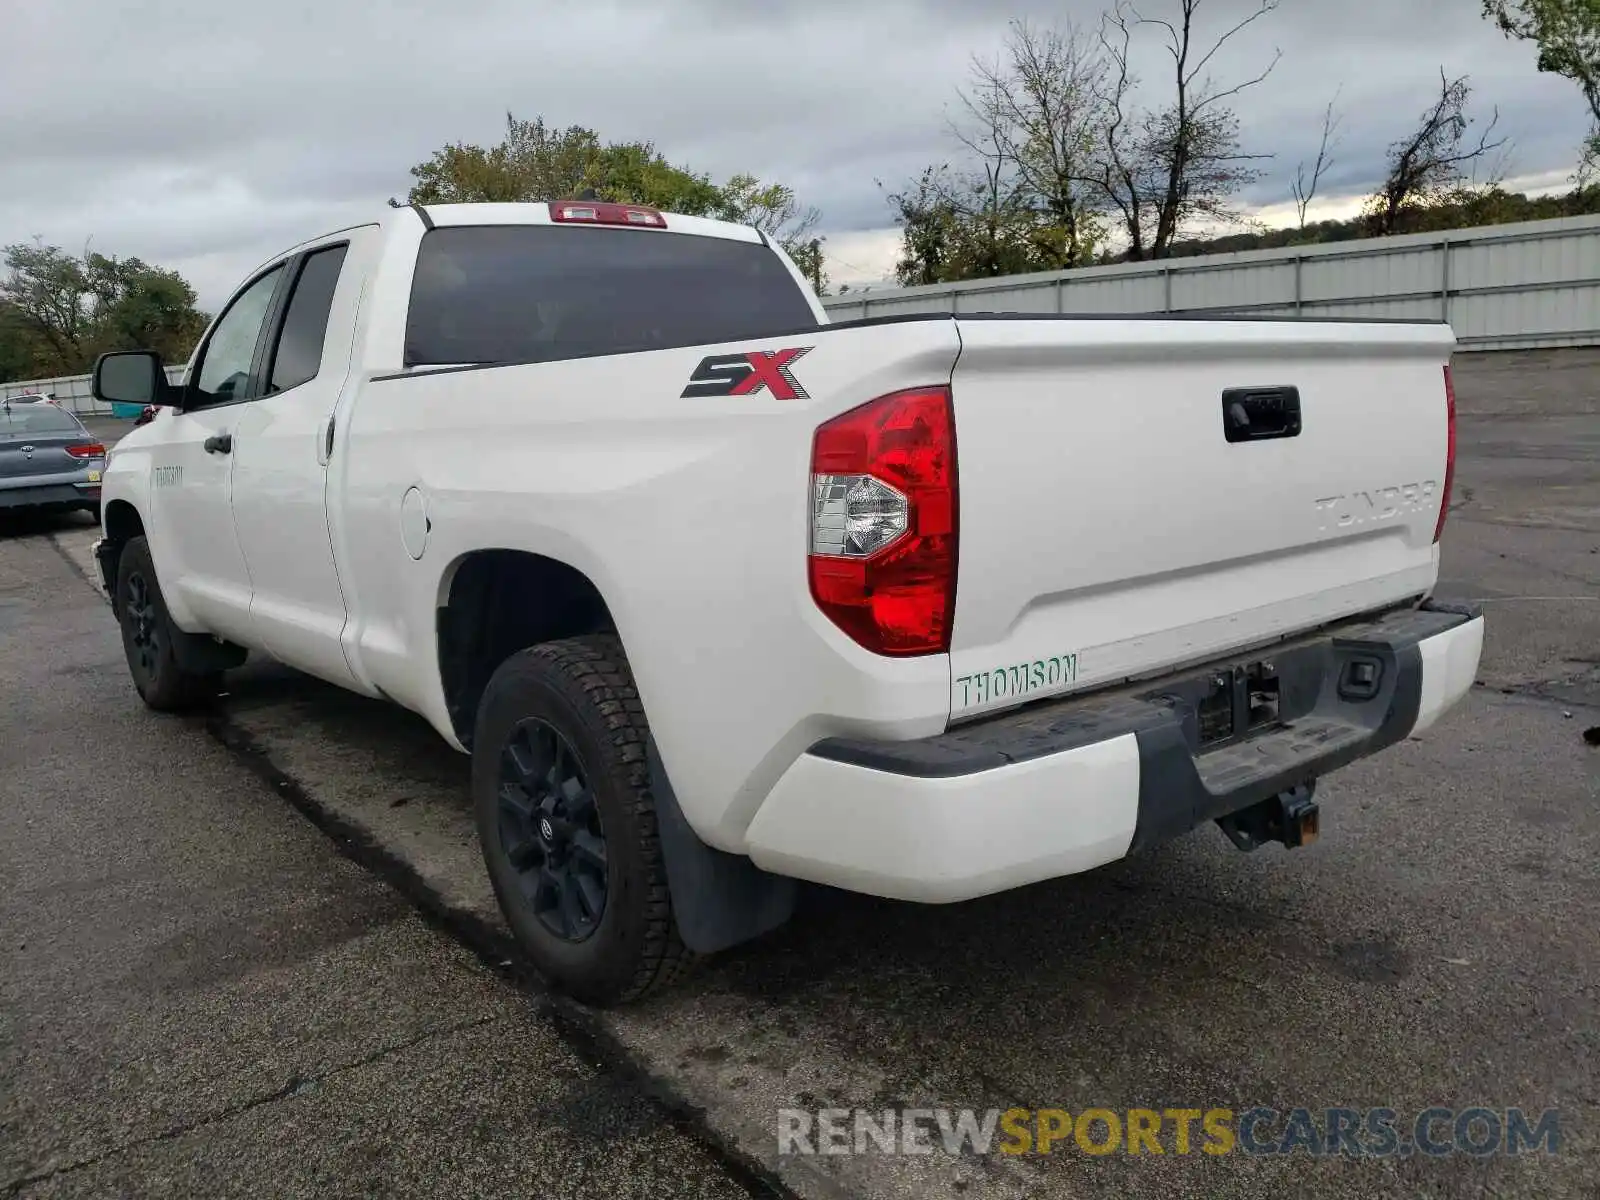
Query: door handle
(1259, 414)
(327, 445)
(219, 443)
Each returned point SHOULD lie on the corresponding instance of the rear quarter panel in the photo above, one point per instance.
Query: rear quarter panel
(689, 514)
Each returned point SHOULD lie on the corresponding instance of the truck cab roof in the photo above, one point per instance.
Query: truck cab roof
(455, 215)
(543, 214)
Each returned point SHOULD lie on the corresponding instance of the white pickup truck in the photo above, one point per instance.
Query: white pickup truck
(720, 596)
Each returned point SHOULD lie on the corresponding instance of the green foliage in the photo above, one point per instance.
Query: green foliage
(1567, 34)
(59, 311)
(954, 227)
(1462, 210)
(19, 349)
(1021, 198)
(1059, 151)
(534, 162)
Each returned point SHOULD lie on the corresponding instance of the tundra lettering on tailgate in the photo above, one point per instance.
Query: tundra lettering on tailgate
(747, 374)
(1376, 504)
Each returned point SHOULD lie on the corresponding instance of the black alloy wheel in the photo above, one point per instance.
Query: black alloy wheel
(550, 830)
(566, 818)
(142, 620)
(150, 640)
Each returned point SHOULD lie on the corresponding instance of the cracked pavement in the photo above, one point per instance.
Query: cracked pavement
(202, 992)
(199, 996)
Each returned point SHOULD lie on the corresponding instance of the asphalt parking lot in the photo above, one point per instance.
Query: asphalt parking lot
(255, 951)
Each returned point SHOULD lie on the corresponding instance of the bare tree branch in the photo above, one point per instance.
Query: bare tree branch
(1116, 176)
(1430, 162)
(1182, 161)
(1212, 98)
(1305, 190)
(1266, 7)
(1020, 196)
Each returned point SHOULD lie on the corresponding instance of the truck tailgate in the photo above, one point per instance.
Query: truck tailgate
(1111, 527)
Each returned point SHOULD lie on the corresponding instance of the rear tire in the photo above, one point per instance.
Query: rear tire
(149, 636)
(567, 823)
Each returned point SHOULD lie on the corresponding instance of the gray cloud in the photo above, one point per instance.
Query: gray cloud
(206, 137)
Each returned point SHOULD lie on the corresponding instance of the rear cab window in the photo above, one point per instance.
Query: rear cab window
(297, 357)
(486, 294)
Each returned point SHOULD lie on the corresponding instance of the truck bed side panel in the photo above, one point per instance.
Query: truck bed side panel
(690, 516)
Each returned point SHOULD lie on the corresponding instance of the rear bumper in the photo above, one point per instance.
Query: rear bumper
(1062, 787)
(51, 495)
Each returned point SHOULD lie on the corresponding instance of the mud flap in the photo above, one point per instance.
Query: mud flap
(718, 899)
(201, 655)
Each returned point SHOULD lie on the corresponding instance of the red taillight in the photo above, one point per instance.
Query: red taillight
(884, 522)
(1449, 452)
(89, 450)
(596, 212)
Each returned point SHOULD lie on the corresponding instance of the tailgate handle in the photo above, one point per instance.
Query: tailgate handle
(1255, 414)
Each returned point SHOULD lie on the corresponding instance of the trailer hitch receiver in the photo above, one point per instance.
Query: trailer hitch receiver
(1289, 817)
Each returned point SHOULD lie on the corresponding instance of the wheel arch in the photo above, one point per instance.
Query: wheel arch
(483, 616)
(718, 899)
(120, 522)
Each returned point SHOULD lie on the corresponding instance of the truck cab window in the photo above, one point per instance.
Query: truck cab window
(536, 293)
(226, 361)
(298, 355)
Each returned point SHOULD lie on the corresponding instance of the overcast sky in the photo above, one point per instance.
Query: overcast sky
(207, 136)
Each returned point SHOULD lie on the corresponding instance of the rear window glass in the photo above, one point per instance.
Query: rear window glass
(532, 293)
(298, 357)
(36, 418)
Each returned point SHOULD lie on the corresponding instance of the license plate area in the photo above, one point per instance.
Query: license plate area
(1232, 704)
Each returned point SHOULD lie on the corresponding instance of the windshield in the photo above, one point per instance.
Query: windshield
(532, 293)
(17, 420)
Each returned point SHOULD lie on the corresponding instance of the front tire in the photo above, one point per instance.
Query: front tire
(567, 823)
(149, 637)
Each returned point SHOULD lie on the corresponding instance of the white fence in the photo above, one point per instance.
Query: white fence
(1501, 287)
(70, 391)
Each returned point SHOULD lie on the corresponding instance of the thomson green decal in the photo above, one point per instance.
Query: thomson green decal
(1017, 680)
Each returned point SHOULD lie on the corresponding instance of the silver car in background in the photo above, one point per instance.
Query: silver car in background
(48, 460)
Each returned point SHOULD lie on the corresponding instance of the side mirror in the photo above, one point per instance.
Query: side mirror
(130, 377)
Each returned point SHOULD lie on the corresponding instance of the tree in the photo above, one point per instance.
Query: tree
(1430, 166)
(1161, 169)
(775, 210)
(928, 231)
(1019, 199)
(958, 226)
(1304, 189)
(988, 195)
(534, 162)
(1038, 110)
(19, 350)
(1567, 34)
(1056, 148)
(65, 309)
